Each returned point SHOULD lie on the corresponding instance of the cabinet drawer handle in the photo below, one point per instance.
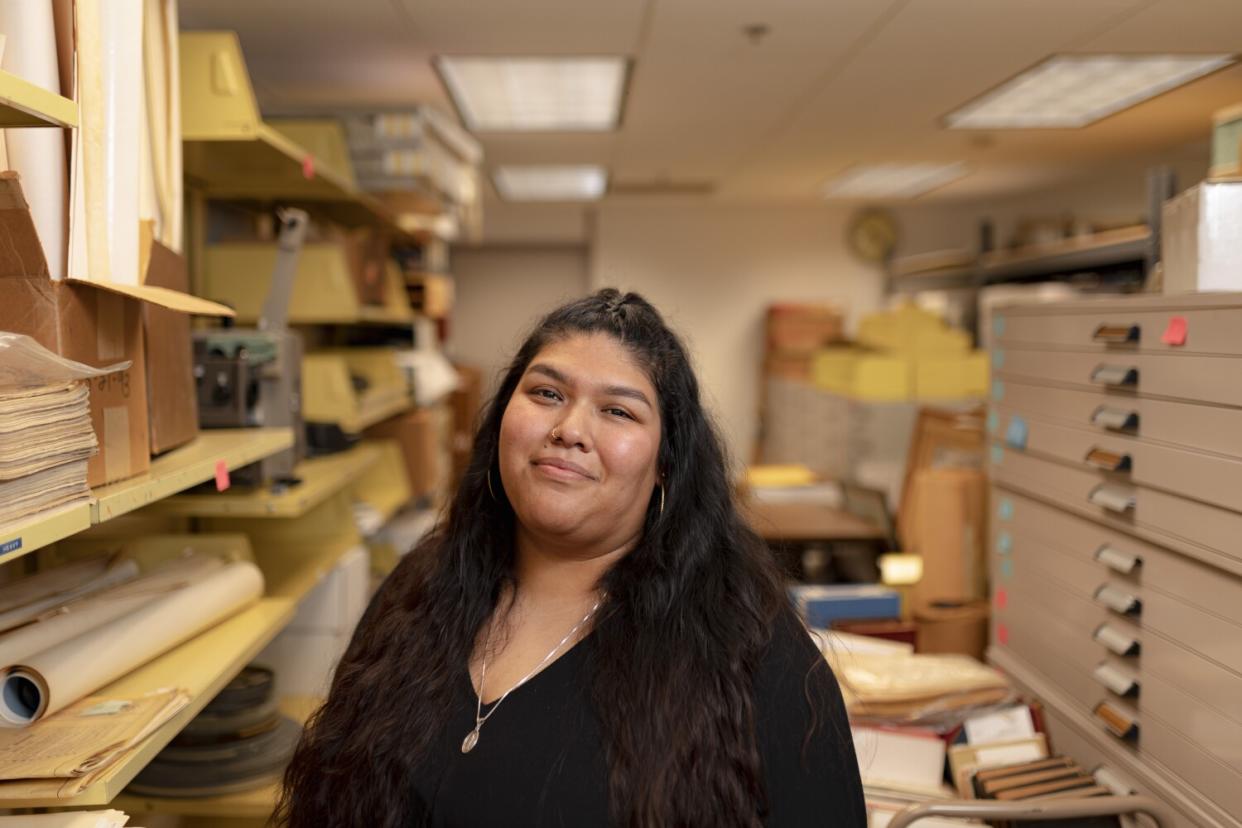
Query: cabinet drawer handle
(1112, 780)
(1118, 561)
(1117, 334)
(1115, 376)
(1118, 601)
(1116, 641)
(1115, 419)
(1119, 723)
(1107, 460)
(1112, 498)
(1122, 682)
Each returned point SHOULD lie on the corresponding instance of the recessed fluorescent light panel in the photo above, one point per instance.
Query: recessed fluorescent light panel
(536, 94)
(1069, 91)
(551, 183)
(893, 180)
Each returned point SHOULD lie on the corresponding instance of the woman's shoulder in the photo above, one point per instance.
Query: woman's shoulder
(790, 647)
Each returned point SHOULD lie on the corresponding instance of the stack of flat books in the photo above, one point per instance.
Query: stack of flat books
(45, 441)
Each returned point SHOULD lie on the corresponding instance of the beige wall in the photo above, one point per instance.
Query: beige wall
(713, 269)
(502, 292)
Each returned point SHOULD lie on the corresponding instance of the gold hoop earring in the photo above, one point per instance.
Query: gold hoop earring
(661, 500)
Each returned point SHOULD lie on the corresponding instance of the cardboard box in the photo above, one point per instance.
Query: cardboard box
(366, 250)
(949, 516)
(790, 365)
(803, 327)
(431, 294)
(1201, 239)
(97, 323)
(424, 445)
(465, 403)
(172, 400)
(953, 627)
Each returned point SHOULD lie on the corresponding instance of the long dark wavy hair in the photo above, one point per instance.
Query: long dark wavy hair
(676, 646)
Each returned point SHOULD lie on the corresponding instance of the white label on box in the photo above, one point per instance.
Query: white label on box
(998, 757)
(1008, 725)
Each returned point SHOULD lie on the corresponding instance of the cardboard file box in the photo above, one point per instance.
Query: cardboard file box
(96, 323)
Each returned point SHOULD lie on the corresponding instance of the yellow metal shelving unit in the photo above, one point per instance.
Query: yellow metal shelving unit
(23, 104)
(203, 666)
(37, 531)
(188, 466)
(321, 477)
(386, 485)
(231, 153)
(206, 663)
(176, 471)
(240, 274)
(329, 396)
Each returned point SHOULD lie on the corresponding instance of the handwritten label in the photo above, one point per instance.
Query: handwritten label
(222, 476)
(1175, 333)
(113, 381)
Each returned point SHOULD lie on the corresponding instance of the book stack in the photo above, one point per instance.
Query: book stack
(45, 441)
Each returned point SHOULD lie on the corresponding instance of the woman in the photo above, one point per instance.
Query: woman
(593, 637)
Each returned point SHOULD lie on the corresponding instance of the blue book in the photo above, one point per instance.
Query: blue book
(820, 605)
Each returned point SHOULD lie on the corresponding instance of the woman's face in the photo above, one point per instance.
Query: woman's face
(579, 442)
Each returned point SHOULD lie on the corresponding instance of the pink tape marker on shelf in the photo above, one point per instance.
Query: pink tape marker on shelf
(1002, 598)
(222, 476)
(308, 166)
(1175, 333)
(1002, 634)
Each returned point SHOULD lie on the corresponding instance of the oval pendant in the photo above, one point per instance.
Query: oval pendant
(472, 739)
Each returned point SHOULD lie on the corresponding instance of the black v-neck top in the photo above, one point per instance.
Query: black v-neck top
(540, 762)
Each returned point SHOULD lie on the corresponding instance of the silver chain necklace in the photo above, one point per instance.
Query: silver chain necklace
(472, 738)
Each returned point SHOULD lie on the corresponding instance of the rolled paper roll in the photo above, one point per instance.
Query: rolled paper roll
(58, 677)
(80, 616)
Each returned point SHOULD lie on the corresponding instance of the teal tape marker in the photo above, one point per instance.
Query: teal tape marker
(998, 359)
(1006, 509)
(993, 422)
(998, 390)
(1016, 434)
(1004, 543)
(1006, 569)
(998, 454)
(998, 325)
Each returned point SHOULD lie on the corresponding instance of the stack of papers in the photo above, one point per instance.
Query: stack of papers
(63, 755)
(45, 440)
